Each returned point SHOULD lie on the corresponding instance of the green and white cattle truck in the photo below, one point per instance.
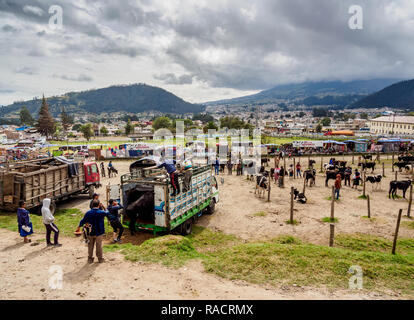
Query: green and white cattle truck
(171, 213)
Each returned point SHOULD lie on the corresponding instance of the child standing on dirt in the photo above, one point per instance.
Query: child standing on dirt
(24, 223)
(48, 221)
(337, 185)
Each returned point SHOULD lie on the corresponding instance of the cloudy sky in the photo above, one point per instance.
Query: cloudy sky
(201, 50)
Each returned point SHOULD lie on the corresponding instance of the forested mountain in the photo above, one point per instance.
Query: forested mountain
(313, 93)
(129, 98)
(399, 95)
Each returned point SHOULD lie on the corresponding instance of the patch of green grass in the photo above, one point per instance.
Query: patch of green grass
(67, 221)
(293, 223)
(260, 214)
(408, 224)
(307, 264)
(370, 219)
(362, 197)
(204, 239)
(329, 220)
(364, 242)
(286, 240)
(330, 198)
(170, 250)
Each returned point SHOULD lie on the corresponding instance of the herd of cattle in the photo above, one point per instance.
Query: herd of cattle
(337, 167)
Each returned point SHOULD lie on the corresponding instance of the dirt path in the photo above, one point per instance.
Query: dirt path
(25, 274)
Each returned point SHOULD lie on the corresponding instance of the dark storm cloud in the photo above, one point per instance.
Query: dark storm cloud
(239, 44)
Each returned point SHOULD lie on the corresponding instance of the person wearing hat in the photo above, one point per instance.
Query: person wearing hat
(338, 185)
(188, 174)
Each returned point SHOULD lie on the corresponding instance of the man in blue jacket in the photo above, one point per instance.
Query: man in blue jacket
(96, 219)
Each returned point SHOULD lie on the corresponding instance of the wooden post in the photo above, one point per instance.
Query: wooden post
(369, 207)
(294, 168)
(332, 235)
(363, 181)
(333, 205)
(396, 175)
(268, 190)
(321, 164)
(304, 185)
(383, 169)
(394, 245)
(392, 162)
(353, 159)
(284, 164)
(291, 204)
(410, 201)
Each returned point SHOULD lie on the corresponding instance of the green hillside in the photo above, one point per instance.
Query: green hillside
(129, 98)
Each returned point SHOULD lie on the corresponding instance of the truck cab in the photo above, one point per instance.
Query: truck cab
(92, 177)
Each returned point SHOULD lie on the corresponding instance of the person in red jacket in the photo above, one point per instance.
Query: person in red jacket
(338, 185)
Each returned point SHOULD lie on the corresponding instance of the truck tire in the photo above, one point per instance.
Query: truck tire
(212, 207)
(187, 227)
(91, 191)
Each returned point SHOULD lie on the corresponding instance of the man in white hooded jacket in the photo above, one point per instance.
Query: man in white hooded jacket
(48, 220)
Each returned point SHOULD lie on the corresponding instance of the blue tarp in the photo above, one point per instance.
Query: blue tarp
(22, 128)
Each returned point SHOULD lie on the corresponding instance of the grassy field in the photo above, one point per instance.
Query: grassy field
(285, 260)
(67, 220)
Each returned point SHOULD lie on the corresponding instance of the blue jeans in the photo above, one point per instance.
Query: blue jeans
(337, 193)
(216, 170)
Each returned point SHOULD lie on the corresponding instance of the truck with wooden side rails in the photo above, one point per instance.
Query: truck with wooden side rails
(170, 213)
(56, 178)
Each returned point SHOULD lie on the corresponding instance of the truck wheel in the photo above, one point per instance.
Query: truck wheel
(91, 191)
(187, 227)
(212, 207)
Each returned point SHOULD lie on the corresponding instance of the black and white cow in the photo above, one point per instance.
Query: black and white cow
(310, 176)
(374, 180)
(300, 197)
(261, 184)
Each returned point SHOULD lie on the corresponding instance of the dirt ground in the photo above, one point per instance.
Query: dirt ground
(24, 269)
